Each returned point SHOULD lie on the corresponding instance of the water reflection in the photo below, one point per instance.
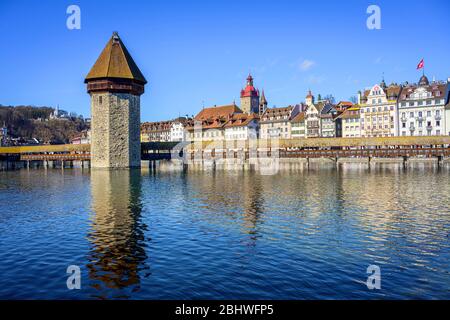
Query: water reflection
(117, 253)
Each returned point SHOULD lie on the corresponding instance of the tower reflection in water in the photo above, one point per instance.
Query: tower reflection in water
(117, 243)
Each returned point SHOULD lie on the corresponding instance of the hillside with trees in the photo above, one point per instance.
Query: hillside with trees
(29, 122)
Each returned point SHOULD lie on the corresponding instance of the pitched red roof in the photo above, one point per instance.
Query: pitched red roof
(217, 112)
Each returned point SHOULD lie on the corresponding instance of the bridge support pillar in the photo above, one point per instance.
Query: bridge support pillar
(405, 162)
(440, 161)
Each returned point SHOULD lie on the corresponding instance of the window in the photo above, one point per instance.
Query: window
(100, 100)
(411, 114)
(428, 113)
(404, 125)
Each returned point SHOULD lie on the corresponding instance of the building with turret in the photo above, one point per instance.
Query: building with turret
(115, 85)
(378, 110)
(421, 108)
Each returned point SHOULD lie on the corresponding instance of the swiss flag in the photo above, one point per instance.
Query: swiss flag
(420, 65)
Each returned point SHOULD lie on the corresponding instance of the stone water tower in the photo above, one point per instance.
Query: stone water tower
(115, 85)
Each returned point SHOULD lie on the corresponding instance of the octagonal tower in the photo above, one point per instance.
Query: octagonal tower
(115, 85)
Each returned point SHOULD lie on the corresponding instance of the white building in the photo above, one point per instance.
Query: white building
(242, 126)
(421, 109)
(178, 129)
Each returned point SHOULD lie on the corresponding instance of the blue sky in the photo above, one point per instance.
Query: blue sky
(195, 52)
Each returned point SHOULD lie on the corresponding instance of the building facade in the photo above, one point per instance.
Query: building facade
(328, 123)
(378, 112)
(351, 122)
(242, 127)
(208, 124)
(178, 129)
(312, 116)
(298, 127)
(276, 122)
(156, 131)
(421, 109)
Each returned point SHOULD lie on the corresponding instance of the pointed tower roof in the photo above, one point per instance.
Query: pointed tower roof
(115, 62)
(263, 98)
(249, 90)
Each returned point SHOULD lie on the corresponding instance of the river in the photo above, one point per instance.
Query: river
(225, 235)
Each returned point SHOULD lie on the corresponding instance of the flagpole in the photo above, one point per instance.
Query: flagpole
(423, 69)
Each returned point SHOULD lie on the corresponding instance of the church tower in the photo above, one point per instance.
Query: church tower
(250, 97)
(262, 103)
(115, 85)
(309, 99)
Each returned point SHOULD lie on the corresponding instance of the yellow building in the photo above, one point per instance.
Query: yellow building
(351, 122)
(378, 113)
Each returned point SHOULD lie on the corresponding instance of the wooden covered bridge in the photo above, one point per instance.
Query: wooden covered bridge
(386, 147)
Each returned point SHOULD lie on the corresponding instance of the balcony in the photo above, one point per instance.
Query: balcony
(420, 118)
(412, 128)
(437, 117)
(429, 128)
(403, 119)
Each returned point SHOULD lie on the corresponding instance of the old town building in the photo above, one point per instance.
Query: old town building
(351, 122)
(209, 123)
(421, 109)
(378, 113)
(178, 128)
(327, 121)
(312, 116)
(156, 131)
(242, 126)
(298, 129)
(276, 122)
